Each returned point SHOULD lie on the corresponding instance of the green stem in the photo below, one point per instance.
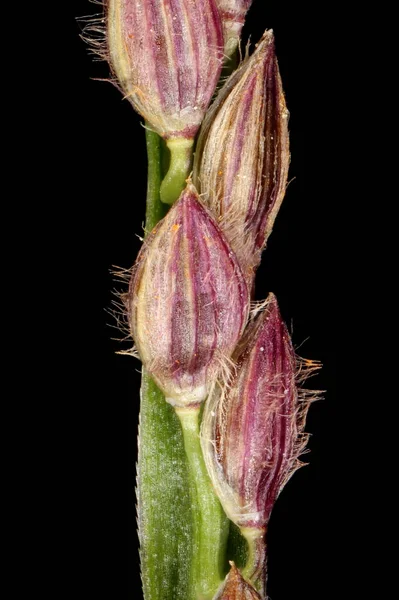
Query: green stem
(255, 568)
(210, 523)
(181, 152)
(155, 209)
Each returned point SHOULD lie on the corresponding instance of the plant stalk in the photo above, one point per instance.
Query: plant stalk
(155, 210)
(181, 152)
(211, 526)
(255, 568)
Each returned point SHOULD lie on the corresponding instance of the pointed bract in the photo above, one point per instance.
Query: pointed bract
(242, 156)
(167, 57)
(236, 588)
(188, 302)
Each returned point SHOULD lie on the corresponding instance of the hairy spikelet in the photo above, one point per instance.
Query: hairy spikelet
(242, 155)
(187, 303)
(253, 428)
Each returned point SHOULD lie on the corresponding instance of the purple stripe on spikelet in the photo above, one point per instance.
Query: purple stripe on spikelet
(167, 56)
(242, 155)
(188, 301)
(252, 430)
(262, 411)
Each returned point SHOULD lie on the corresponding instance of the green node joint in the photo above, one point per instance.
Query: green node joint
(181, 153)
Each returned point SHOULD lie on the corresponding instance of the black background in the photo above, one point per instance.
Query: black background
(103, 182)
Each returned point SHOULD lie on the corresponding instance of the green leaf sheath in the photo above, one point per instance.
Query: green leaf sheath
(210, 524)
(164, 511)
